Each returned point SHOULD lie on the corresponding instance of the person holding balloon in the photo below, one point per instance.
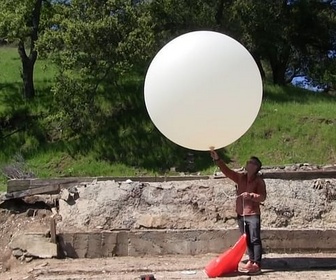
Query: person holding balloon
(251, 192)
(184, 75)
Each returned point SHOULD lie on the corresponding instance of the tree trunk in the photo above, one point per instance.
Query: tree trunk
(219, 12)
(257, 59)
(28, 61)
(279, 60)
(28, 79)
(278, 72)
(27, 73)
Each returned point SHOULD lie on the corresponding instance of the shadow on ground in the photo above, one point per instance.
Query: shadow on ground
(299, 263)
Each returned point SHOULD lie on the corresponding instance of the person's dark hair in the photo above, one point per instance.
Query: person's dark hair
(257, 161)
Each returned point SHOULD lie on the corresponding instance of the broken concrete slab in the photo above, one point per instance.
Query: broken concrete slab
(35, 245)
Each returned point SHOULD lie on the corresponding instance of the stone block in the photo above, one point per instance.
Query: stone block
(146, 242)
(94, 244)
(109, 244)
(300, 240)
(66, 249)
(216, 241)
(80, 244)
(122, 243)
(184, 242)
(36, 245)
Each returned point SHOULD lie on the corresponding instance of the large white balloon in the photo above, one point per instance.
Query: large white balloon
(203, 89)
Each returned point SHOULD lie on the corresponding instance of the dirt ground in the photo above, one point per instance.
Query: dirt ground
(275, 266)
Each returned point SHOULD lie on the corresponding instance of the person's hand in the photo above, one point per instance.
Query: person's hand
(246, 195)
(214, 154)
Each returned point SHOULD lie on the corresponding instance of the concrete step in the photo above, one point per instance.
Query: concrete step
(188, 242)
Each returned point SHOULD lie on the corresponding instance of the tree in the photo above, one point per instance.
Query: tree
(290, 35)
(96, 45)
(176, 17)
(21, 23)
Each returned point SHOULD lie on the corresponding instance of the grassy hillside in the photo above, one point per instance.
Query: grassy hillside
(293, 126)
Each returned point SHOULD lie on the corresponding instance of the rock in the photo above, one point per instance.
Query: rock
(152, 221)
(65, 194)
(2, 197)
(330, 167)
(42, 213)
(47, 233)
(73, 190)
(35, 245)
(54, 211)
(28, 259)
(42, 265)
(30, 212)
(17, 253)
(31, 277)
(38, 268)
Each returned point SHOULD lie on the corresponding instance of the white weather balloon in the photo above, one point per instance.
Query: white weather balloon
(203, 89)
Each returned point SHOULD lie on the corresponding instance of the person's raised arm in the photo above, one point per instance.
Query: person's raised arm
(233, 175)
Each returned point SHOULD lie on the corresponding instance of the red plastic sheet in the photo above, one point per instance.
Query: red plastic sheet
(228, 261)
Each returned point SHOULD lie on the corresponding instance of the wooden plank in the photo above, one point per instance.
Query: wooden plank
(21, 185)
(18, 184)
(296, 175)
(48, 182)
(53, 230)
(153, 178)
(54, 189)
(301, 175)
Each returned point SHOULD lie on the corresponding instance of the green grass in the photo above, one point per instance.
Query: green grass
(11, 83)
(11, 69)
(61, 164)
(293, 126)
(10, 65)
